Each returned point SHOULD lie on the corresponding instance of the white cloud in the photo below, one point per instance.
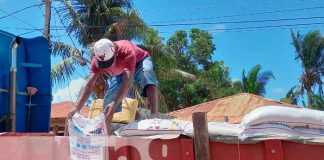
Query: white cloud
(278, 90)
(68, 92)
(219, 28)
(235, 79)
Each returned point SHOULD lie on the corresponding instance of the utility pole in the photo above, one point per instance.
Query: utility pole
(47, 19)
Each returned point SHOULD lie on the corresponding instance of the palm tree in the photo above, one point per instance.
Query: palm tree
(318, 102)
(89, 21)
(92, 20)
(309, 50)
(255, 81)
(164, 62)
(164, 65)
(292, 96)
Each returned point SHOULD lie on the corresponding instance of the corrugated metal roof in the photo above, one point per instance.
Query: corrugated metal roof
(233, 107)
(62, 109)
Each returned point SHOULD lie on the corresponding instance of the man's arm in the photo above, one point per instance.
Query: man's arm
(85, 92)
(126, 83)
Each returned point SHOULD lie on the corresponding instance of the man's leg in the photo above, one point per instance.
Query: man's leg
(152, 94)
(110, 95)
(114, 86)
(144, 74)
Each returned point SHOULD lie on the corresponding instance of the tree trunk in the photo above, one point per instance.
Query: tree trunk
(309, 98)
(47, 19)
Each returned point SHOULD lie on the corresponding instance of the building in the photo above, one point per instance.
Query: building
(230, 109)
(59, 113)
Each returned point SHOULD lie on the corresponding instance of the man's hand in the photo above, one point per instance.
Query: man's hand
(85, 92)
(75, 110)
(110, 110)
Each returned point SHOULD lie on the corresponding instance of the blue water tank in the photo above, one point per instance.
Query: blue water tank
(33, 70)
(6, 41)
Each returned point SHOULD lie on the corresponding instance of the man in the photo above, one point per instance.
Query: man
(127, 63)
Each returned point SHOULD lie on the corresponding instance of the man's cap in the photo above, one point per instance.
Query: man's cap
(104, 50)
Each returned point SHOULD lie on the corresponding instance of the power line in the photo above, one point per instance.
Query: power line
(208, 7)
(257, 28)
(55, 24)
(18, 28)
(28, 29)
(28, 32)
(69, 35)
(261, 29)
(222, 22)
(249, 21)
(9, 14)
(64, 26)
(21, 20)
(73, 45)
(241, 15)
(237, 22)
(268, 26)
(219, 6)
(250, 28)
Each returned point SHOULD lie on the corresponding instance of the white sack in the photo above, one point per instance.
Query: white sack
(149, 127)
(87, 137)
(288, 115)
(309, 132)
(274, 130)
(215, 129)
(282, 131)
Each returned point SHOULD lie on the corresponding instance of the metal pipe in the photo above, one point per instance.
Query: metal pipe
(13, 85)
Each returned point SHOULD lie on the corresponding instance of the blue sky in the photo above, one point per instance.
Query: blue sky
(239, 49)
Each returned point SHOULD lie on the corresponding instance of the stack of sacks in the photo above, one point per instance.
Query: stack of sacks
(214, 129)
(284, 122)
(149, 127)
(162, 127)
(127, 114)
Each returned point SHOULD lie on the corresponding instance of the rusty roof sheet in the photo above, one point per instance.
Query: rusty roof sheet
(233, 107)
(62, 109)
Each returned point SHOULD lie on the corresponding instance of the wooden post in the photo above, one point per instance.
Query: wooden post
(201, 136)
(55, 130)
(47, 19)
(66, 128)
(226, 118)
